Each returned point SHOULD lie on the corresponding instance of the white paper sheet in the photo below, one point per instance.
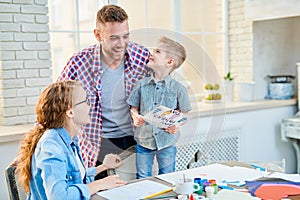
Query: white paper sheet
(287, 177)
(221, 173)
(134, 191)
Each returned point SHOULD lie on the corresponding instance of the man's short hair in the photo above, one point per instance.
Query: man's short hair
(111, 13)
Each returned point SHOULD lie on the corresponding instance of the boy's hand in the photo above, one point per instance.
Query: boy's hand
(172, 129)
(137, 119)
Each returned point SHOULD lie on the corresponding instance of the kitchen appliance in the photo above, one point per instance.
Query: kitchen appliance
(281, 87)
(290, 127)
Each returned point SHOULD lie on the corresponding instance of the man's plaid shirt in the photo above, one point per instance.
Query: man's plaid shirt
(85, 67)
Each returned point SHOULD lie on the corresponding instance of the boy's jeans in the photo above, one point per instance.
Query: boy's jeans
(144, 160)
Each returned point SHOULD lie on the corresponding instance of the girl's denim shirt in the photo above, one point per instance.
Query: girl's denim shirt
(54, 169)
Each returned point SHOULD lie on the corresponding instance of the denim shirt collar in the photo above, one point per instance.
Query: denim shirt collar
(166, 80)
(64, 134)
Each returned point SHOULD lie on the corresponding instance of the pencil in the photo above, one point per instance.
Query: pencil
(158, 193)
(163, 197)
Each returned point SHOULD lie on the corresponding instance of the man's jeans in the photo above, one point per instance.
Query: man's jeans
(144, 160)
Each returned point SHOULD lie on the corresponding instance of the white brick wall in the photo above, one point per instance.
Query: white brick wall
(25, 37)
(25, 66)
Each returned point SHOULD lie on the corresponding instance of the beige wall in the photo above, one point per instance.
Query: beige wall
(240, 42)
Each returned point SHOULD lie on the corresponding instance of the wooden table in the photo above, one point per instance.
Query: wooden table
(230, 163)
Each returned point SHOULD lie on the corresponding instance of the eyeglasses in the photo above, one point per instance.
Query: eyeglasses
(87, 101)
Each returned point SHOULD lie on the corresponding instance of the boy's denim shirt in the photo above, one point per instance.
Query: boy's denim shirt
(149, 94)
(54, 169)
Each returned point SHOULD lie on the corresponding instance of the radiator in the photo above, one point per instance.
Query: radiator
(200, 150)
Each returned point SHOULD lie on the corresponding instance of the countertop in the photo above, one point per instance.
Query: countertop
(203, 109)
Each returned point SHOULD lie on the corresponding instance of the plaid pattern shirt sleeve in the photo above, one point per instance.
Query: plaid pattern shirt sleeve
(85, 67)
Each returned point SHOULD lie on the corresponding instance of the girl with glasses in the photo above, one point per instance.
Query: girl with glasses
(50, 165)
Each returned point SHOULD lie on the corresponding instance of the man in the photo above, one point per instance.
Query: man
(108, 71)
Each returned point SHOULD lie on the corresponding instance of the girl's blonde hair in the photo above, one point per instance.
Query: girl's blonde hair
(51, 109)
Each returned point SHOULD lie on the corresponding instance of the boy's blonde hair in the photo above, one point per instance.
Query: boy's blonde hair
(174, 50)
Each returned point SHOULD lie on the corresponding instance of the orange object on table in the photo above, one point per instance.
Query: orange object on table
(212, 181)
(276, 191)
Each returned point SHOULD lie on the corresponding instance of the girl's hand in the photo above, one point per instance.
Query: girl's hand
(112, 161)
(110, 182)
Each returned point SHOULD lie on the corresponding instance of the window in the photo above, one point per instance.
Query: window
(83, 8)
(201, 23)
(56, 7)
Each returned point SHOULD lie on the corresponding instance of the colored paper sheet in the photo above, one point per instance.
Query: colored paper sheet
(273, 188)
(276, 191)
(163, 117)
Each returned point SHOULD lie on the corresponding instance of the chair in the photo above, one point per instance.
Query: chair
(14, 190)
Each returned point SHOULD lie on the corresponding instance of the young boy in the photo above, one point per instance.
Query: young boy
(151, 92)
